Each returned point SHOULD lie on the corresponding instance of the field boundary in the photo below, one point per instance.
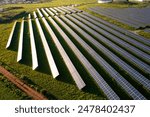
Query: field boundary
(21, 85)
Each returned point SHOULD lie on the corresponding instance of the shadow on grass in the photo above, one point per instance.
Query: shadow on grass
(26, 54)
(8, 19)
(15, 38)
(64, 73)
(42, 59)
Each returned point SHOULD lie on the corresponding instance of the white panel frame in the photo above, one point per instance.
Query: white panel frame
(39, 12)
(33, 47)
(48, 53)
(20, 48)
(34, 14)
(11, 35)
(73, 72)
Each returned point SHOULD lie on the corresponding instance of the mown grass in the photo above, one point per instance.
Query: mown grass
(64, 87)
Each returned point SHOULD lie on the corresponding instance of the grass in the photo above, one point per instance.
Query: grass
(144, 34)
(9, 91)
(41, 79)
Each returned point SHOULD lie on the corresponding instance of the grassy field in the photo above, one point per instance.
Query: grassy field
(9, 91)
(64, 87)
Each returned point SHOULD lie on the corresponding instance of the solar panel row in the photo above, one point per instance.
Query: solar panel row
(11, 35)
(54, 11)
(58, 10)
(70, 9)
(73, 72)
(29, 16)
(119, 29)
(64, 10)
(33, 46)
(34, 15)
(117, 34)
(39, 12)
(145, 57)
(129, 57)
(49, 56)
(91, 70)
(134, 17)
(128, 69)
(126, 21)
(20, 48)
(45, 13)
(111, 71)
(50, 12)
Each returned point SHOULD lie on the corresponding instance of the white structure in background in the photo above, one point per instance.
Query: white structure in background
(120, 0)
(104, 1)
(138, 0)
(107, 1)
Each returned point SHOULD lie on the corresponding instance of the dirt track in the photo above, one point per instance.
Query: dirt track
(28, 90)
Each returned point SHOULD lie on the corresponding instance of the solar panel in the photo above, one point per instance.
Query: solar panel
(59, 10)
(45, 13)
(118, 34)
(133, 60)
(20, 48)
(50, 13)
(73, 72)
(11, 35)
(69, 9)
(78, 10)
(118, 41)
(104, 65)
(129, 70)
(53, 10)
(64, 10)
(49, 56)
(39, 12)
(34, 14)
(33, 47)
(121, 30)
(29, 16)
(91, 70)
(126, 21)
(127, 15)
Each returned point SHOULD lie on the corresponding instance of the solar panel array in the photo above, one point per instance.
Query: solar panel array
(33, 47)
(20, 47)
(135, 17)
(123, 56)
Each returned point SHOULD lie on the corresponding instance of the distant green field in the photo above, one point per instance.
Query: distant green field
(64, 87)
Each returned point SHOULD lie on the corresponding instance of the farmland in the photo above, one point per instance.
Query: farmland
(77, 27)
